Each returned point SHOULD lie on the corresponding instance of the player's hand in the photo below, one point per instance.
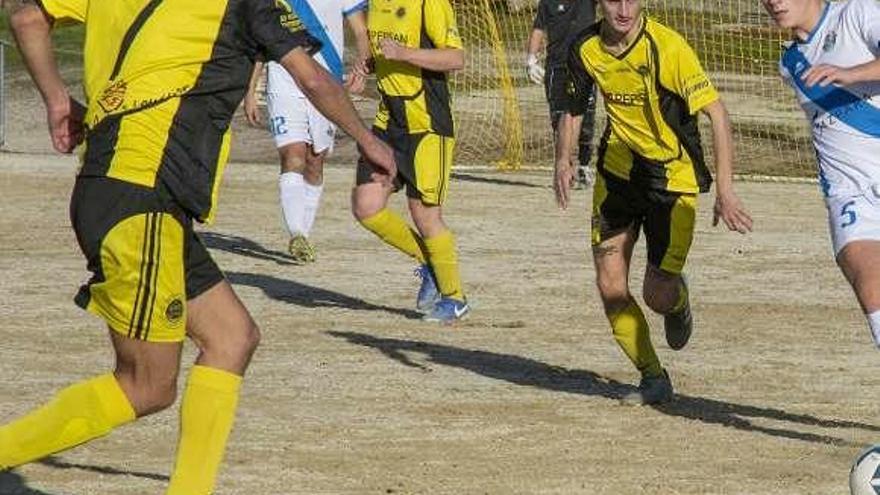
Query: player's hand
(534, 70)
(355, 82)
(729, 209)
(66, 127)
(563, 182)
(825, 74)
(378, 154)
(392, 50)
(251, 111)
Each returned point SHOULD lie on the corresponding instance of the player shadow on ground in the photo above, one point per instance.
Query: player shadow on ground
(245, 247)
(308, 296)
(493, 180)
(12, 483)
(531, 373)
(57, 463)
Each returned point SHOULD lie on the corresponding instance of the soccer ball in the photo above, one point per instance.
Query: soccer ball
(864, 477)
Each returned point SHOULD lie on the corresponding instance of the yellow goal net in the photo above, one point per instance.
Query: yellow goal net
(502, 117)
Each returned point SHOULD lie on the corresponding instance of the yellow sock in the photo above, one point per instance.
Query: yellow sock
(79, 413)
(206, 417)
(444, 261)
(394, 230)
(632, 334)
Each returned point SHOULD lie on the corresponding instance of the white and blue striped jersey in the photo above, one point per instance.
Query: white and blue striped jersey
(324, 20)
(845, 120)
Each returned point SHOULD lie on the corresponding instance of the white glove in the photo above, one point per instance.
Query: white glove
(534, 69)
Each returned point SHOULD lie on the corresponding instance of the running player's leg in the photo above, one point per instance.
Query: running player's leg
(860, 263)
(615, 224)
(432, 162)
(138, 293)
(227, 337)
(369, 201)
(669, 232)
(313, 176)
(854, 224)
(293, 191)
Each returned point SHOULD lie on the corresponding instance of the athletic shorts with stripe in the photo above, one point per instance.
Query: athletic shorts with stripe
(667, 218)
(146, 260)
(424, 164)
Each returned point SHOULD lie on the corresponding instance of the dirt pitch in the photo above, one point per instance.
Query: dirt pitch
(351, 394)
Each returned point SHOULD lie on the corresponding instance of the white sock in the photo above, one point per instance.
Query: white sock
(312, 200)
(292, 195)
(874, 323)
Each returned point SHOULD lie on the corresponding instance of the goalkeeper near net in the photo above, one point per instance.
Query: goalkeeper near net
(555, 22)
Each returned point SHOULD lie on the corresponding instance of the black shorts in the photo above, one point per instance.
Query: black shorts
(424, 164)
(145, 258)
(668, 219)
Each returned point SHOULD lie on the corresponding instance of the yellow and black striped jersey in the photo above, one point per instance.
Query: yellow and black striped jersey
(414, 100)
(162, 79)
(652, 92)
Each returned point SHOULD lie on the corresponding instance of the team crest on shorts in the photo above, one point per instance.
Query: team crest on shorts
(113, 96)
(174, 311)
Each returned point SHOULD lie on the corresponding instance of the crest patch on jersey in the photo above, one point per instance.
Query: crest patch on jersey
(829, 42)
(113, 96)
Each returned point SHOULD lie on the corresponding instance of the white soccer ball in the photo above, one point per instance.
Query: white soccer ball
(864, 477)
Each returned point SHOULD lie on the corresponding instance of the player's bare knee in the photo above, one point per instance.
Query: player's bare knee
(364, 205)
(148, 392)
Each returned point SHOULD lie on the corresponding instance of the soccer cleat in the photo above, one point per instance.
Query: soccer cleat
(428, 295)
(448, 310)
(301, 250)
(679, 325)
(652, 390)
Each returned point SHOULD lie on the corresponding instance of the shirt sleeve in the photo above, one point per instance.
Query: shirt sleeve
(66, 11)
(440, 24)
(541, 17)
(682, 73)
(353, 6)
(580, 85)
(276, 31)
(868, 19)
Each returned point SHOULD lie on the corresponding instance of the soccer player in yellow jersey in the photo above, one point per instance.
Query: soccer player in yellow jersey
(162, 80)
(414, 44)
(650, 170)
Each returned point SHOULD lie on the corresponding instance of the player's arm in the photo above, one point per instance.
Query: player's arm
(441, 28)
(357, 23)
(329, 97)
(436, 59)
(867, 20)
(533, 67)
(579, 85)
(32, 27)
(281, 36)
(251, 111)
(728, 206)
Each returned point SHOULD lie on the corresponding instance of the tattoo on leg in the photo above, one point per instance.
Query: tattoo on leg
(601, 250)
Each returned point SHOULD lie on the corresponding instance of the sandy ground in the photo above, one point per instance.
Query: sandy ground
(351, 394)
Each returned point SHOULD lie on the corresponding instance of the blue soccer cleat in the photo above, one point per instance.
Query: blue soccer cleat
(448, 310)
(429, 295)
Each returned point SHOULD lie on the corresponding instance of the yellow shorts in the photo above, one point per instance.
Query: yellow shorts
(424, 164)
(145, 258)
(667, 218)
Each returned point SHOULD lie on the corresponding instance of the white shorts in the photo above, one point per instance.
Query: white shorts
(293, 118)
(854, 217)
